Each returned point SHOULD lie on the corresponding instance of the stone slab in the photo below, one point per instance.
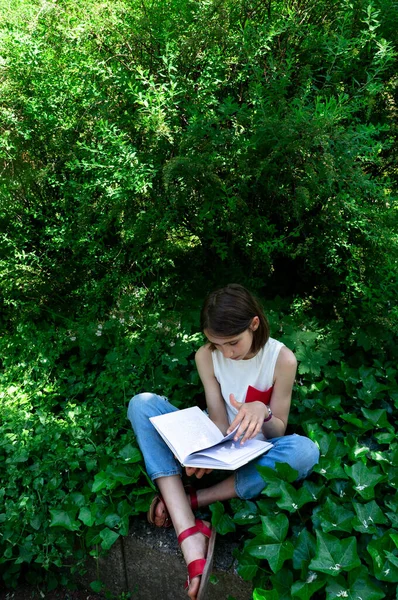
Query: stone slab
(148, 564)
(155, 567)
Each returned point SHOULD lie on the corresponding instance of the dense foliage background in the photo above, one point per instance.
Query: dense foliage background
(150, 152)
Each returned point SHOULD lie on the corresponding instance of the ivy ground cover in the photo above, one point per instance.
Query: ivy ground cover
(72, 475)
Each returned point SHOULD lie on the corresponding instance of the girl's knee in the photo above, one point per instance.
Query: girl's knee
(307, 456)
(142, 404)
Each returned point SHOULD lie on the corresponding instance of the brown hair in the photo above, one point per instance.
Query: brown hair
(230, 311)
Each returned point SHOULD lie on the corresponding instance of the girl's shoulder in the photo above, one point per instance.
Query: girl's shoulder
(203, 354)
(286, 360)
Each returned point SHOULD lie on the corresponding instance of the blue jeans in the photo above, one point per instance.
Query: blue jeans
(297, 451)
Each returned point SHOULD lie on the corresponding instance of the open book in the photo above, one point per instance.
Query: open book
(197, 442)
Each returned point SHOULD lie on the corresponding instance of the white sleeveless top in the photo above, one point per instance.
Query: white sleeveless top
(235, 376)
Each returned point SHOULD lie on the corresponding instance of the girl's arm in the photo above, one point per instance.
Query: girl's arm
(251, 416)
(284, 376)
(214, 400)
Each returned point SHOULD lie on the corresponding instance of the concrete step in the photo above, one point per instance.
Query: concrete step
(148, 564)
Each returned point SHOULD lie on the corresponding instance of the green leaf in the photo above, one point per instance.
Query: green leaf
(96, 586)
(282, 582)
(304, 549)
(247, 570)
(87, 515)
(64, 519)
(103, 481)
(330, 468)
(260, 594)
(124, 474)
(314, 489)
(333, 517)
(108, 538)
(368, 516)
(286, 472)
(359, 585)
(365, 479)
(377, 418)
(275, 528)
(292, 499)
(276, 554)
(310, 361)
(130, 454)
(247, 515)
(306, 589)
(358, 423)
(220, 519)
(384, 568)
(334, 555)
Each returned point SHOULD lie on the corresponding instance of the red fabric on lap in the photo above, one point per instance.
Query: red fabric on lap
(254, 395)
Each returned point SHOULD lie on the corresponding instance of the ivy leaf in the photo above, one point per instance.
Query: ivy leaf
(130, 454)
(275, 528)
(357, 422)
(359, 585)
(330, 468)
(103, 481)
(282, 582)
(286, 472)
(306, 589)
(276, 554)
(96, 586)
(64, 519)
(292, 499)
(334, 555)
(384, 569)
(247, 568)
(124, 474)
(371, 388)
(368, 515)
(220, 519)
(87, 515)
(247, 514)
(327, 443)
(333, 517)
(260, 594)
(377, 418)
(108, 538)
(385, 438)
(365, 479)
(304, 549)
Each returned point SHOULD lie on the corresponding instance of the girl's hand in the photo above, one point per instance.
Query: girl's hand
(197, 472)
(250, 419)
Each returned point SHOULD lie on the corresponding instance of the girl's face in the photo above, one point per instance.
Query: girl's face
(236, 347)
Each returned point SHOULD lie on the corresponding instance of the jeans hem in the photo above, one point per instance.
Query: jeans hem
(238, 493)
(164, 474)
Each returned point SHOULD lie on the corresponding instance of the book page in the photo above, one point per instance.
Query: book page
(187, 431)
(228, 455)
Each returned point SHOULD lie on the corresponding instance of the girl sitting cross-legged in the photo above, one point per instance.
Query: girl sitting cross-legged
(247, 378)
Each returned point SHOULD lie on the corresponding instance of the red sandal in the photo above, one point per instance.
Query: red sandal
(202, 566)
(164, 520)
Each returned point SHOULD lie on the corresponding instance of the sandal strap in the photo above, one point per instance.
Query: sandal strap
(195, 569)
(199, 527)
(193, 498)
(203, 528)
(187, 533)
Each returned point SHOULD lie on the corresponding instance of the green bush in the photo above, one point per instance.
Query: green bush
(177, 144)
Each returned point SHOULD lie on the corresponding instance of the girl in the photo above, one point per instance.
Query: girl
(248, 379)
